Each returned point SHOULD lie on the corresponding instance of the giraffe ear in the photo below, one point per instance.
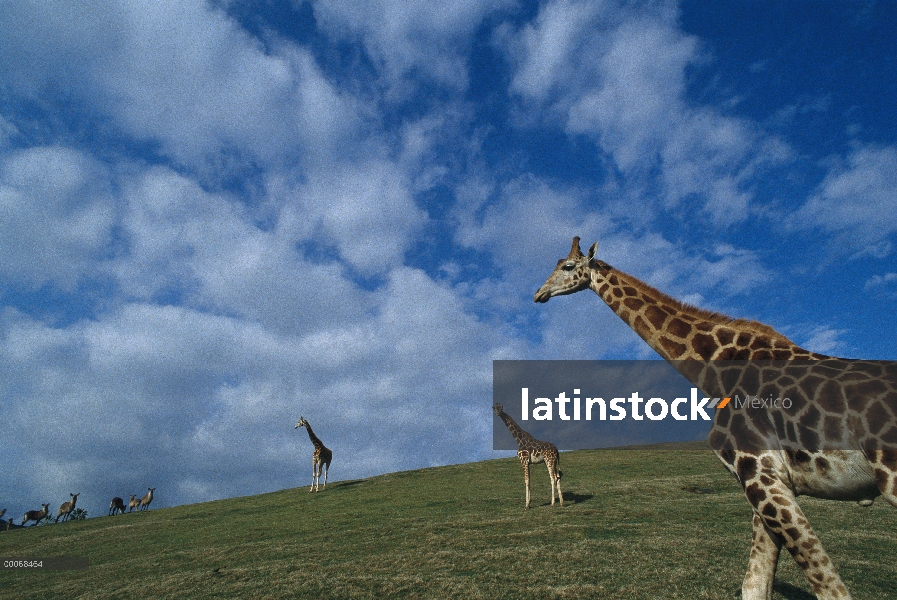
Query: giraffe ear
(593, 250)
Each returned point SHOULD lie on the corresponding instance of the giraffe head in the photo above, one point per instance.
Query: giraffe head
(497, 408)
(302, 423)
(571, 274)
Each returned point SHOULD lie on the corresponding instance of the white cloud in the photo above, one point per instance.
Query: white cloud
(618, 76)
(529, 207)
(639, 93)
(856, 201)
(366, 210)
(880, 280)
(181, 74)
(56, 214)
(543, 50)
(205, 250)
(7, 131)
(823, 339)
(605, 70)
(716, 157)
(426, 38)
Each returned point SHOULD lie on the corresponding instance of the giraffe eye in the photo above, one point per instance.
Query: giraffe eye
(569, 265)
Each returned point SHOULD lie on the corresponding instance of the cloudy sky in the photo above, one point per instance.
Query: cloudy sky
(218, 216)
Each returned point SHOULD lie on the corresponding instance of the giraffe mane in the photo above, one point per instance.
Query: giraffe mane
(700, 313)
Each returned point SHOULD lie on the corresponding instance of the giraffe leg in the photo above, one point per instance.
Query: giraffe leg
(884, 467)
(761, 570)
(557, 482)
(524, 462)
(777, 508)
(314, 476)
(326, 470)
(552, 476)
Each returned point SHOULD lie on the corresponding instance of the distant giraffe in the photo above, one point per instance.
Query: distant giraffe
(532, 451)
(850, 405)
(320, 460)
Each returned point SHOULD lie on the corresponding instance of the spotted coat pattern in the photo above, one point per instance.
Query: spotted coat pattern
(532, 451)
(839, 445)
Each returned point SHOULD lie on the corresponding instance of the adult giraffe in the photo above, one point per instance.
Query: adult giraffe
(839, 443)
(320, 459)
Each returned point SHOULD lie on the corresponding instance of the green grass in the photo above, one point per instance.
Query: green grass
(628, 530)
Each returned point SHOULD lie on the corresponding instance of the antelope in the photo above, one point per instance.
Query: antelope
(9, 524)
(116, 506)
(66, 508)
(145, 501)
(2, 512)
(36, 515)
(133, 503)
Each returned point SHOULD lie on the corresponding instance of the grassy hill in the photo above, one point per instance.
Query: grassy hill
(643, 523)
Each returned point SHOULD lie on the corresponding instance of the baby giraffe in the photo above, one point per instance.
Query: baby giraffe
(532, 451)
(320, 460)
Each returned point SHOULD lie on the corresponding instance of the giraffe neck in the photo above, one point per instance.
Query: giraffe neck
(311, 435)
(678, 331)
(520, 436)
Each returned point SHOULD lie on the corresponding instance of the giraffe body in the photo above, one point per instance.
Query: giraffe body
(532, 451)
(840, 443)
(320, 460)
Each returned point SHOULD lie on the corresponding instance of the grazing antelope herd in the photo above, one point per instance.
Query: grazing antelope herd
(67, 510)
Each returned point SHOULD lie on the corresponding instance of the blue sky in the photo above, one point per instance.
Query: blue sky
(218, 216)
